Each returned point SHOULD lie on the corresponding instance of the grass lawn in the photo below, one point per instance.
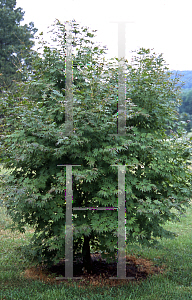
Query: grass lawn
(174, 283)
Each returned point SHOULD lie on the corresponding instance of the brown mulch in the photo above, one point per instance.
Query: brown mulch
(138, 268)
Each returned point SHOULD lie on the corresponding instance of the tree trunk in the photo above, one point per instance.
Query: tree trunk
(87, 261)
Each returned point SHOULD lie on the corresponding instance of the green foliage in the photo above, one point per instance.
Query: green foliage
(186, 119)
(157, 175)
(185, 110)
(15, 42)
(187, 101)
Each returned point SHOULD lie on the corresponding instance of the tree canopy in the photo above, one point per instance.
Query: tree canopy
(15, 42)
(157, 179)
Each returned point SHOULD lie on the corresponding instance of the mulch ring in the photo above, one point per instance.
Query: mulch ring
(138, 268)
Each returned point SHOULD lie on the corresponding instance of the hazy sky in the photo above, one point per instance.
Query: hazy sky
(164, 25)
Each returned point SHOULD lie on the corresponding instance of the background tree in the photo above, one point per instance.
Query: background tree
(16, 42)
(186, 119)
(185, 110)
(158, 181)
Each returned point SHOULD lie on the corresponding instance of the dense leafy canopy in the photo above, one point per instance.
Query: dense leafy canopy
(15, 42)
(158, 181)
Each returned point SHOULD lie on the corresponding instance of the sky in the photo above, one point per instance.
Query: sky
(162, 25)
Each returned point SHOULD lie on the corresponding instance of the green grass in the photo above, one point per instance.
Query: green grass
(175, 283)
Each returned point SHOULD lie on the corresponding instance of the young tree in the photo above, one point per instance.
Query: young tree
(157, 176)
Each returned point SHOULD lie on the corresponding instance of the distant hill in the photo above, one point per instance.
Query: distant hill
(186, 77)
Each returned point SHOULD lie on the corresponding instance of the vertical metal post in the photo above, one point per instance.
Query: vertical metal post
(121, 267)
